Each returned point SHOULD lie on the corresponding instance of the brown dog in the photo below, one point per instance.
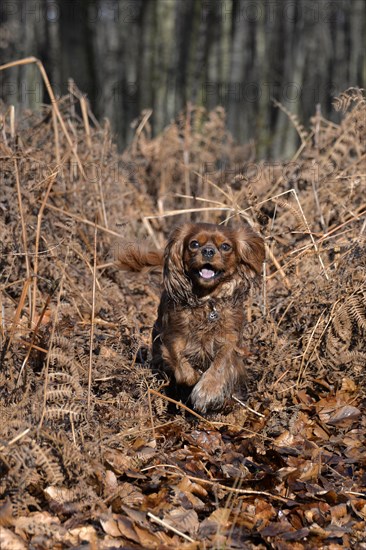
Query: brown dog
(197, 338)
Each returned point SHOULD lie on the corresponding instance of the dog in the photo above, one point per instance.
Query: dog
(208, 270)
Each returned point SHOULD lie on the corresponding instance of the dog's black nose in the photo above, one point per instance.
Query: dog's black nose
(208, 252)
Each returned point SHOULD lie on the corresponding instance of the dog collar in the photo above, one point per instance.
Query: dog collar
(213, 314)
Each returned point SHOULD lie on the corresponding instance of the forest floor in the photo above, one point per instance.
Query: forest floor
(92, 454)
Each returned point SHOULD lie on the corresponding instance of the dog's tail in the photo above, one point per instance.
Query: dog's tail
(136, 257)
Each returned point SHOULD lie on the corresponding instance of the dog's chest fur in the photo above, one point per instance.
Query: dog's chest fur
(209, 327)
(205, 328)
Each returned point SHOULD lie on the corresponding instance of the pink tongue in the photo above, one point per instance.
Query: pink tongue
(207, 273)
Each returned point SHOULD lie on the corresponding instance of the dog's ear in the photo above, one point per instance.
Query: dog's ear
(251, 252)
(136, 257)
(177, 284)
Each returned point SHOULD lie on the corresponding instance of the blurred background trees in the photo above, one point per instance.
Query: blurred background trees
(132, 55)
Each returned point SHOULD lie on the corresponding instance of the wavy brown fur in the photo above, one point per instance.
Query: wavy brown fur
(136, 257)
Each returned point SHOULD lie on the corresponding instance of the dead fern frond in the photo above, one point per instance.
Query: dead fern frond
(356, 306)
(297, 214)
(349, 96)
(64, 377)
(60, 357)
(59, 394)
(303, 134)
(342, 324)
(44, 460)
(72, 412)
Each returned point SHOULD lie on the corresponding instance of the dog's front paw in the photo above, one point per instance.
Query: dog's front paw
(186, 375)
(207, 393)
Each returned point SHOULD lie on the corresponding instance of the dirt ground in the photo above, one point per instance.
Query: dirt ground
(92, 454)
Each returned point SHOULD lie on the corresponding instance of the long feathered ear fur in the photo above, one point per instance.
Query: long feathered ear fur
(136, 257)
(176, 282)
(251, 252)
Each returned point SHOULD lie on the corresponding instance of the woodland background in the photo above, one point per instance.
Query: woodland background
(131, 55)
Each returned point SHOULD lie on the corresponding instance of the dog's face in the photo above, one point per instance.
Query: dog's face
(199, 258)
(210, 255)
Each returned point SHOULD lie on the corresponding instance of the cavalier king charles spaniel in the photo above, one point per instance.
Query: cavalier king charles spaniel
(198, 335)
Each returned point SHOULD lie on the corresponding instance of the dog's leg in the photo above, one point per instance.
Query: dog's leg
(178, 365)
(218, 382)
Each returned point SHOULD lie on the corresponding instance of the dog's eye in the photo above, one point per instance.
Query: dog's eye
(194, 245)
(225, 247)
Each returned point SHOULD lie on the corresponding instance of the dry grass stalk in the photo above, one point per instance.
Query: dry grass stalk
(12, 121)
(51, 178)
(180, 405)
(216, 483)
(18, 312)
(15, 439)
(303, 366)
(169, 213)
(169, 527)
(92, 322)
(280, 270)
(84, 112)
(247, 407)
(57, 138)
(24, 231)
(83, 220)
